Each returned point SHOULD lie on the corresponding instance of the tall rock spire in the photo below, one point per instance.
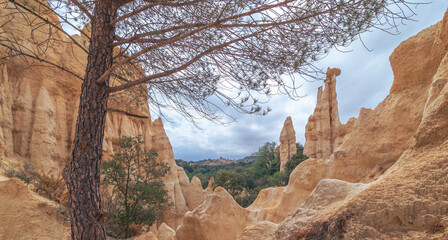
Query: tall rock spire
(324, 131)
(287, 143)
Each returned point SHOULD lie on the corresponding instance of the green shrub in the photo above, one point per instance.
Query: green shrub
(27, 174)
(278, 179)
(245, 201)
(137, 197)
(234, 181)
(267, 162)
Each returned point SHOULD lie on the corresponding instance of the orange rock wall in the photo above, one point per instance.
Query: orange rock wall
(39, 105)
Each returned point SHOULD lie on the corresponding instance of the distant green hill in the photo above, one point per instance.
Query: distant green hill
(216, 162)
(245, 177)
(205, 169)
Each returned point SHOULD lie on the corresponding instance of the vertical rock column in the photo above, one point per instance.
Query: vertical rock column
(6, 119)
(323, 128)
(287, 143)
(330, 96)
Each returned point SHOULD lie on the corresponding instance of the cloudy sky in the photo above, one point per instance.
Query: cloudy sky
(364, 82)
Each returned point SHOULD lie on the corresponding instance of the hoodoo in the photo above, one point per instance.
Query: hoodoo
(324, 131)
(287, 146)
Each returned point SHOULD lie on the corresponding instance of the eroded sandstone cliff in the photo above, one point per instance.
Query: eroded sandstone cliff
(39, 105)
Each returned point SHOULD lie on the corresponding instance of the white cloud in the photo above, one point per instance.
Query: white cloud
(365, 81)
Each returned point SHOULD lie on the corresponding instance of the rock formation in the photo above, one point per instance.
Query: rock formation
(6, 147)
(287, 146)
(163, 232)
(25, 215)
(324, 131)
(258, 231)
(219, 217)
(39, 105)
(327, 195)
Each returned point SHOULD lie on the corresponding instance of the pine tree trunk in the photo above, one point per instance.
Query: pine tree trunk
(83, 174)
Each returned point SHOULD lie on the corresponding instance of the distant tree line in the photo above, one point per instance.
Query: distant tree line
(244, 180)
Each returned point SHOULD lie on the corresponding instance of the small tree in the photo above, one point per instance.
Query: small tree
(234, 181)
(296, 159)
(267, 162)
(138, 196)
